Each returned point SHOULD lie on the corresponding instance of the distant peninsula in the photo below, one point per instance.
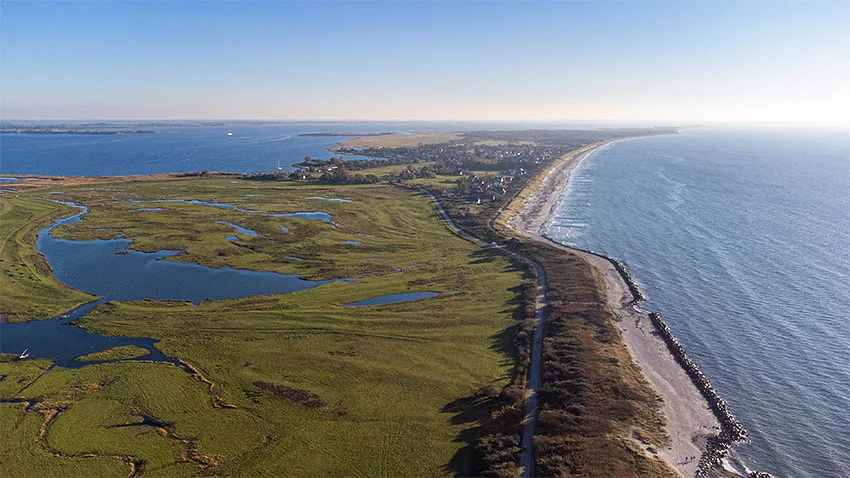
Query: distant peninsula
(321, 135)
(18, 129)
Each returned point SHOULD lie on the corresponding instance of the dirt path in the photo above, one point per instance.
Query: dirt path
(532, 404)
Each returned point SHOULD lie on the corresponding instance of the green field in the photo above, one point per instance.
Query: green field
(115, 353)
(29, 290)
(294, 384)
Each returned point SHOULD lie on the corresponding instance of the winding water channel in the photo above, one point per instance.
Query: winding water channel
(108, 269)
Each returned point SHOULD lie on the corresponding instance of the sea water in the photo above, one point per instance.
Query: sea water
(251, 147)
(740, 238)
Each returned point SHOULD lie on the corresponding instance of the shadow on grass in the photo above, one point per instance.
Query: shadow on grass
(504, 343)
(475, 409)
(489, 412)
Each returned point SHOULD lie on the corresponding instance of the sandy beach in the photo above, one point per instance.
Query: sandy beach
(689, 419)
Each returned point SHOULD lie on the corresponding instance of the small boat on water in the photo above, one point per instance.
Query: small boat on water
(279, 167)
(229, 133)
(24, 354)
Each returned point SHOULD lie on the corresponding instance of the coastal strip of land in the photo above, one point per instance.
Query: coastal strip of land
(343, 134)
(596, 414)
(533, 386)
(690, 421)
(397, 140)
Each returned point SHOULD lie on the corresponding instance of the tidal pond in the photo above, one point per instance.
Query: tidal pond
(58, 340)
(320, 198)
(239, 229)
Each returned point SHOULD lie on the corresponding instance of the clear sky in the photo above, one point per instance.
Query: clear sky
(639, 61)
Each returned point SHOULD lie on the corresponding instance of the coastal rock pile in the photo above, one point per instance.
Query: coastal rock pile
(731, 430)
(637, 294)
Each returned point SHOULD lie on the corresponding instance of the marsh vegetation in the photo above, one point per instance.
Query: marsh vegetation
(387, 373)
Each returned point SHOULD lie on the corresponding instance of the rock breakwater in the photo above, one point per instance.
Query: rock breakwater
(731, 429)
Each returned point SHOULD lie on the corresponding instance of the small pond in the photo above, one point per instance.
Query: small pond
(320, 198)
(239, 229)
(13, 180)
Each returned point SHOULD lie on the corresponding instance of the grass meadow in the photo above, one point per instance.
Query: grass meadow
(381, 379)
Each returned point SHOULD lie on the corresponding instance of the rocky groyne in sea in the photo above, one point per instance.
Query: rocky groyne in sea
(731, 429)
(637, 294)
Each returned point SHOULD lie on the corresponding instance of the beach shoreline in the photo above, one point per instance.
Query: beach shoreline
(691, 423)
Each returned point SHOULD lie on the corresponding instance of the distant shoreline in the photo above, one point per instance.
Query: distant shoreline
(52, 130)
(344, 135)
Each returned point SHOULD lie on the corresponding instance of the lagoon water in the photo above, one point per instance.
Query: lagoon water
(251, 148)
(740, 238)
(110, 270)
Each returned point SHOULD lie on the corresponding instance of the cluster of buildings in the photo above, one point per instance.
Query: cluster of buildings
(485, 189)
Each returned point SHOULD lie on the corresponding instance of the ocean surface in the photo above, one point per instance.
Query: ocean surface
(740, 238)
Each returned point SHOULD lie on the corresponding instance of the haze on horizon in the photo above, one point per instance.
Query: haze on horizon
(509, 61)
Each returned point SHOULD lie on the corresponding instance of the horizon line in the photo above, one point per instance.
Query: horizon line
(666, 123)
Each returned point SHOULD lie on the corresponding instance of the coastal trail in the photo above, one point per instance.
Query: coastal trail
(533, 387)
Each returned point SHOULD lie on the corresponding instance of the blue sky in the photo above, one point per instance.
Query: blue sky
(571, 61)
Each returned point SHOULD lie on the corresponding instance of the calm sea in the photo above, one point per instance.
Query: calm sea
(252, 147)
(741, 240)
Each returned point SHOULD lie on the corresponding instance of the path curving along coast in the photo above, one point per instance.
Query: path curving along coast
(698, 422)
(530, 413)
